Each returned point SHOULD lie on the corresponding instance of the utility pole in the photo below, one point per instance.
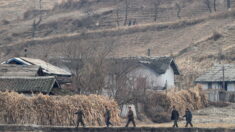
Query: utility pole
(223, 78)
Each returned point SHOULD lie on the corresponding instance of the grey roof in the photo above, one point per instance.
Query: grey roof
(157, 64)
(27, 84)
(126, 64)
(215, 74)
(47, 67)
(19, 70)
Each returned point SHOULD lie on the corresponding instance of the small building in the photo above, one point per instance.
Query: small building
(46, 69)
(156, 73)
(219, 79)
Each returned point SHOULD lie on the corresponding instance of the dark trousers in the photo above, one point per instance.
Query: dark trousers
(189, 122)
(80, 121)
(107, 122)
(129, 121)
(175, 123)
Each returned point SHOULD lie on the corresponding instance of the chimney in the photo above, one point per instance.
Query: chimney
(25, 52)
(149, 52)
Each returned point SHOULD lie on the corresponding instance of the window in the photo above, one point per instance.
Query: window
(209, 85)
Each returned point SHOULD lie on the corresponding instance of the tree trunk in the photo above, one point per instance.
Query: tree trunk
(126, 13)
(215, 5)
(228, 4)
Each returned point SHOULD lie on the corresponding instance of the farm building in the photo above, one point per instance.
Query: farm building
(26, 79)
(46, 69)
(156, 73)
(29, 85)
(218, 81)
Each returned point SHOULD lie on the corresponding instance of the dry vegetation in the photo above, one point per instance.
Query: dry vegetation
(54, 110)
(159, 105)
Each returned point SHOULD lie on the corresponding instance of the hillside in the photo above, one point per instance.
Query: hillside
(65, 28)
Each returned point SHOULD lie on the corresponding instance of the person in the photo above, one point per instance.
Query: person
(175, 116)
(188, 115)
(80, 116)
(107, 117)
(130, 117)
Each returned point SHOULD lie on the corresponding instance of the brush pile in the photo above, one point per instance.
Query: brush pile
(159, 104)
(54, 110)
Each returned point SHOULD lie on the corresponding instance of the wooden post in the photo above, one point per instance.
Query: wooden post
(223, 78)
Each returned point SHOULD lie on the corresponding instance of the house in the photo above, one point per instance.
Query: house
(219, 79)
(62, 75)
(156, 73)
(26, 79)
(28, 85)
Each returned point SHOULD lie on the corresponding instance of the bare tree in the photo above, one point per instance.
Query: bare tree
(156, 4)
(126, 11)
(88, 65)
(228, 4)
(215, 6)
(208, 4)
(178, 10)
(36, 23)
(35, 26)
(117, 16)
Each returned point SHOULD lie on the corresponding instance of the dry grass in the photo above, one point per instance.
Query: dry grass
(193, 99)
(54, 110)
(132, 29)
(159, 105)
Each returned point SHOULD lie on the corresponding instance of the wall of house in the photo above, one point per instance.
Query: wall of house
(215, 94)
(154, 80)
(213, 86)
(231, 86)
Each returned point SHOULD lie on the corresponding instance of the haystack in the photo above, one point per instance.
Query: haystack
(159, 104)
(54, 110)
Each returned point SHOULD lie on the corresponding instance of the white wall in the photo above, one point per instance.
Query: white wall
(153, 79)
(231, 86)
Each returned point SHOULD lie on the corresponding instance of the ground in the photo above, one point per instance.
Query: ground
(210, 117)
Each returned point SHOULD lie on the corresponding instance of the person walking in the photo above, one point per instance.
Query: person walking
(130, 117)
(80, 116)
(175, 117)
(107, 117)
(188, 115)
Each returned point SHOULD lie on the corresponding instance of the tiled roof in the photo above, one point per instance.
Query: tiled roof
(18, 70)
(157, 64)
(215, 74)
(47, 67)
(27, 84)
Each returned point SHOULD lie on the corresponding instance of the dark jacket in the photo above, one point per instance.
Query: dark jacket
(130, 114)
(188, 115)
(107, 114)
(174, 115)
(80, 114)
